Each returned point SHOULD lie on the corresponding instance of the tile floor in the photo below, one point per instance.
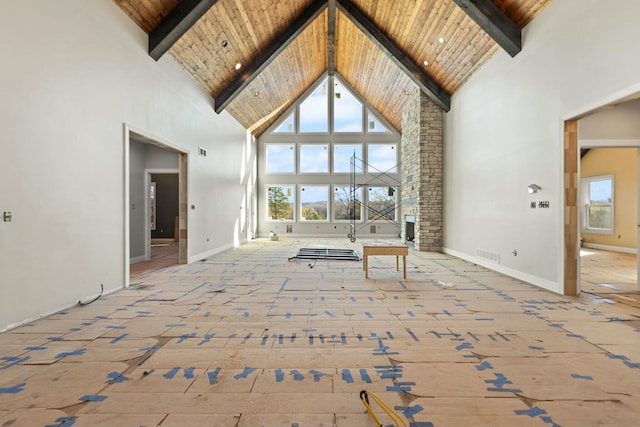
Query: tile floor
(251, 338)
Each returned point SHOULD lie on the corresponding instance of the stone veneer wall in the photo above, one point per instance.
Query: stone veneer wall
(422, 170)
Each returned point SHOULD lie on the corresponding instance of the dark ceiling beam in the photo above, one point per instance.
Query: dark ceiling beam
(331, 32)
(251, 71)
(495, 23)
(182, 17)
(429, 86)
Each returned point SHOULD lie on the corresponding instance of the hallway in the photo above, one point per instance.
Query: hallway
(250, 338)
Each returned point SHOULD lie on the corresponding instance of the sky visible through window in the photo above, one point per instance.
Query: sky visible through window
(314, 111)
(288, 125)
(600, 191)
(347, 110)
(381, 158)
(342, 154)
(314, 159)
(280, 158)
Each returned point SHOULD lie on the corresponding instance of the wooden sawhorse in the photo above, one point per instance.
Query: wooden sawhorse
(385, 249)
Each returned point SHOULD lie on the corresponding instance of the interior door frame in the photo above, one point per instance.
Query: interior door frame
(183, 179)
(570, 238)
(147, 208)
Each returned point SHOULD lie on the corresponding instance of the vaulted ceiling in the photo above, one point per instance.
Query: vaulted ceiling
(256, 57)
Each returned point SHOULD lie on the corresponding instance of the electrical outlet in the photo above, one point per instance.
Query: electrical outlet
(7, 216)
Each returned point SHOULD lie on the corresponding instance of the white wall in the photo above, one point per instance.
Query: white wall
(504, 132)
(73, 73)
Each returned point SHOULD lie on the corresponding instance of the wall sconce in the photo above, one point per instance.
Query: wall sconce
(533, 188)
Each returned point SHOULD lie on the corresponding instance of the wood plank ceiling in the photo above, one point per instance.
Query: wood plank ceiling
(385, 49)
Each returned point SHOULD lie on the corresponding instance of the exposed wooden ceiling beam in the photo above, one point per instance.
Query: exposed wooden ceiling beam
(495, 23)
(182, 17)
(331, 32)
(268, 55)
(396, 54)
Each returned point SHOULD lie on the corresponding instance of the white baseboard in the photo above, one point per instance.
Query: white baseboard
(211, 252)
(533, 280)
(610, 248)
(137, 259)
(49, 313)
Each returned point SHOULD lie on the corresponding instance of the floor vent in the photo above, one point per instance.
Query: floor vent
(324, 253)
(488, 255)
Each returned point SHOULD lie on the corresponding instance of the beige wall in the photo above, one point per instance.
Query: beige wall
(622, 164)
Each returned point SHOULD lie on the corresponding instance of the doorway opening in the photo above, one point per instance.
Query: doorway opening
(155, 205)
(596, 260)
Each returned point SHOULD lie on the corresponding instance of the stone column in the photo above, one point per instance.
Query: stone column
(422, 170)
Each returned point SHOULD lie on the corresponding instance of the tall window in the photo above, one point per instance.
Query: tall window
(347, 116)
(314, 203)
(281, 158)
(347, 206)
(281, 202)
(381, 204)
(314, 111)
(598, 204)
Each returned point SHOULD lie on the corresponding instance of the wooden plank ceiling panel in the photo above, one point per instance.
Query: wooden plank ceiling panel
(275, 89)
(371, 72)
(147, 13)
(247, 27)
(417, 27)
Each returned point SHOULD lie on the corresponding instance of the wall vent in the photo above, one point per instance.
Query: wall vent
(488, 255)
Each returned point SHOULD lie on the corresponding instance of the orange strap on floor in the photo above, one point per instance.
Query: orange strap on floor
(398, 421)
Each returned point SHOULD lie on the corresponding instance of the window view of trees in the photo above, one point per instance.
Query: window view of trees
(309, 152)
(347, 206)
(382, 203)
(314, 202)
(280, 201)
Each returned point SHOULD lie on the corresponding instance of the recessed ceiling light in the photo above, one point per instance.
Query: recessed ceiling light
(426, 63)
(238, 65)
(225, 43)
(441, 40)
(256, 93)
(406, 92)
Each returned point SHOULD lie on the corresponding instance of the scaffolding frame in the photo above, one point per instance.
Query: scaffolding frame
(367, 209)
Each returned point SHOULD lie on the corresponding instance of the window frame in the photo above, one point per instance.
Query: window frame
(359, 189)
(327, 147)
(587, 204)
(294, 203)
(302, 219)
(394, 205)
(359, 168)
(374, 169)
(266, 158)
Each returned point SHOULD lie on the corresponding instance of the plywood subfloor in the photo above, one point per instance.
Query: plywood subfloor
(251, 338)
(613, 275)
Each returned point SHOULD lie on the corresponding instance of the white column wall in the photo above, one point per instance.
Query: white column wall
(505, 131)
(73, 73)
